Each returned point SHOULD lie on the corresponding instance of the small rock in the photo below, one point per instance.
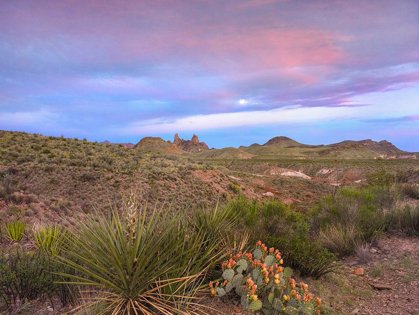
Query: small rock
(355, 311)
(237, 310)
(268, 194)
(373, 250)
(358, 272)
(50, 309)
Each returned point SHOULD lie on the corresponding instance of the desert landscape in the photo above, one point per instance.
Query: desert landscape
(193, 157)
(345, 217)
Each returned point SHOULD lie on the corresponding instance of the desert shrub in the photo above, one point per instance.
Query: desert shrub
(246, 209)
(142, 261)
(404, 218)
(29, 275)
(263, 284)
(381, 178)
(8, 185)
(409, 190)
(234, 188)
(341, 239)
(277, 224)
(363, 253)
(353, 216)
(304, 253)
(15, 230)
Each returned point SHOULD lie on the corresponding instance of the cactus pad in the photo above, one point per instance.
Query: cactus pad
(239, 290)
(237, 280)
(242, 265)
(228, 274)
(244, 302)
(271, 297)
(255, 274)
(228, 287)
(255, 305)
(270, 260)
(287, 272)
(257, 254)
(277, 304)
(220, 291)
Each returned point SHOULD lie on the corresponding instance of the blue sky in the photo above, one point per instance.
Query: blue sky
(232, 72)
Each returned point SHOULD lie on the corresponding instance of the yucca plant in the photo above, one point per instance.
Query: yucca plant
(49, 239)
(142, 263)
(15, 230)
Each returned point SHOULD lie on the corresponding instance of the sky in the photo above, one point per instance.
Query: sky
(234, 72)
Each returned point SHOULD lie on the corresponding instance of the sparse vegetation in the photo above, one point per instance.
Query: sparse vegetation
(62, 200)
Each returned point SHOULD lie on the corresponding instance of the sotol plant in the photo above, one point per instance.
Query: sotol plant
(142, 263)
(15, 230)
(49, 239)
(264, 284)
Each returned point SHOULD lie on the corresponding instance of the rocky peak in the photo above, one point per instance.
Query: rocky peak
(193, 145)
(177, 139)
(195, 139)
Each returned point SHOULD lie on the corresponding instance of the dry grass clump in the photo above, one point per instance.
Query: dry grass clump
(341, 239)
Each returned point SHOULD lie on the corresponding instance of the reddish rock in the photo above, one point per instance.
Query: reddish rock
(177, 139)
(358, 272)
(192, 145)
(195, 139)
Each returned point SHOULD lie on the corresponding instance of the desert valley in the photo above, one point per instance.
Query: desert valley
(344, 216)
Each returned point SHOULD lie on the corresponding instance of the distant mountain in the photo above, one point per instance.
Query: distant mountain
(156, 144)
(286, 147)
(126, 145)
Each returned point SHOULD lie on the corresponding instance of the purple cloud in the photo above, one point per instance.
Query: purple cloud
(123, 63)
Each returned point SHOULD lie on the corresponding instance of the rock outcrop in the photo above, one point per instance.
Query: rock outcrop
(193, 145)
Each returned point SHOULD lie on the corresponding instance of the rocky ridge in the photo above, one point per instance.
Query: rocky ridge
(193, 145)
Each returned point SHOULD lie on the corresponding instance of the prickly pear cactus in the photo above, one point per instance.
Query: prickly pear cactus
(263, 284)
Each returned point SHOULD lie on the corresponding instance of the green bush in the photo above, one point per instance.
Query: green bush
(403, 218)
(409, 190)
(354, 210)
(29, 275)
(303, 253)
(276, 223)
(381, 178)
